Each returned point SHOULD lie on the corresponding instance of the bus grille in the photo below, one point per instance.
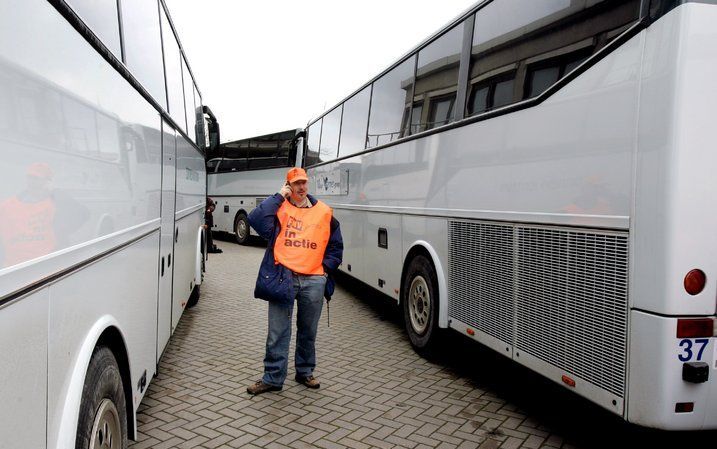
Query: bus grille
(481, 268)
(561, 293)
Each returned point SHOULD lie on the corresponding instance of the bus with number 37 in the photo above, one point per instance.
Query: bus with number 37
(539, 177)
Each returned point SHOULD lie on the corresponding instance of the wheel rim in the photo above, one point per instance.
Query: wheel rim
(106, 431)
(241, 229)
(419, 304)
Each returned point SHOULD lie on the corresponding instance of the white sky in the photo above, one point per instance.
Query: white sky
(266, 66)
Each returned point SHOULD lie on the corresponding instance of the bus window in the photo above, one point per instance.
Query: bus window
(437, 79)
(354, 123)
(143, 46)
(329, 146)
(391, 94)
(520, 49)
(173, 70)
(312, 144)
(103, 20)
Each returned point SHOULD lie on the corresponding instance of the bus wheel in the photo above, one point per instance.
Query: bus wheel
(193, 298)
(241, 229)
(420, 303)
(103, 417)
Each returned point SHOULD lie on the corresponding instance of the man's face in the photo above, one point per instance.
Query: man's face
(299, 189)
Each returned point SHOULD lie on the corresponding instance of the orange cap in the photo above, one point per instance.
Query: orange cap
(40, 170)
(296, 174)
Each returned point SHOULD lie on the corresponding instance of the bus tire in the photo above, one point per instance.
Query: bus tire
(241, 229)
(194, 297)
(420, 304)
(103, 416)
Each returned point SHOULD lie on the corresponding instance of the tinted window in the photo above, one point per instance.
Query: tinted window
(312, 143)
(416, 118)
(143, 45)
(173, 71)
(103, 20)
(354, 122)
(441, 111)
(391, 95)
(329, 145)
(437, 78)
(521, 48)
(188, 98)
(269, 151)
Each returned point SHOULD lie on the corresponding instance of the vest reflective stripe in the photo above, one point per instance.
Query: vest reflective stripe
(303, 237)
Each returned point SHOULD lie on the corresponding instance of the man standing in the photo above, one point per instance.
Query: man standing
(305, 246)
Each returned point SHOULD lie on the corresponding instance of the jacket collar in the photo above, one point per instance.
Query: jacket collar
(312, 199)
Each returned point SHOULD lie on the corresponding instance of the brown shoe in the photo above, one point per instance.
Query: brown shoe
(260, 387)
(309, 381)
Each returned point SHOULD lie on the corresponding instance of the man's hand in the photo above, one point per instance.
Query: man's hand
(285, 191)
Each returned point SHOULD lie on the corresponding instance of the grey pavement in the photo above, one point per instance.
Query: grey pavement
(375, 390)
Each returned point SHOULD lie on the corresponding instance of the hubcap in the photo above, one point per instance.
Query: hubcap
(419, 304)
(106, 431)
(241, 229)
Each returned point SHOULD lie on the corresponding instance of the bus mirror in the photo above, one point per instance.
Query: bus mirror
(213, 128)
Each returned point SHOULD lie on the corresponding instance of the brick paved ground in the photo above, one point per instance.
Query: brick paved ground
(376, 391)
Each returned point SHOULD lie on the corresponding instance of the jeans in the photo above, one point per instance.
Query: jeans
(309, 300)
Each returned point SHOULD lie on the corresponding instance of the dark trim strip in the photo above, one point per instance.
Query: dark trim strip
(662, 315)
(69, 14)
(53, 277)
(601, 54)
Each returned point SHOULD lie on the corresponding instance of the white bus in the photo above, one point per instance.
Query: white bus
(242, 173)
(102, 193)
(538, 176)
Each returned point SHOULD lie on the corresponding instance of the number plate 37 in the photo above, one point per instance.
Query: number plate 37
(692, 349)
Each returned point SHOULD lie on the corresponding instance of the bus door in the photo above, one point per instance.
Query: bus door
(166, 245)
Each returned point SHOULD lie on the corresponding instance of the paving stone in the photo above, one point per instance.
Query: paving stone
(377, 392)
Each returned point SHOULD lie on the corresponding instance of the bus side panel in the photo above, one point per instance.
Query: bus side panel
(189, 216)
(183, 263)
(674, 224)
(166, 249)
(23, 369)
(352, 231)
(383, 262)
(123, 287)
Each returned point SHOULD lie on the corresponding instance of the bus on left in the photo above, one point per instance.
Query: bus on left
(102, 195)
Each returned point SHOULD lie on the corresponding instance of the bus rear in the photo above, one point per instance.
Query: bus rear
(673, 282)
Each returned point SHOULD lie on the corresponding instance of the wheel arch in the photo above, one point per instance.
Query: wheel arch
(113, 339)
(106, 331)
(241, 211)
(421, 247)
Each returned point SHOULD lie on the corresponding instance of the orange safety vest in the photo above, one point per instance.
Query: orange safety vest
(303, 237)
(26, 230)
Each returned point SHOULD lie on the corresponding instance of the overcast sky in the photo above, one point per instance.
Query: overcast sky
(265, 66)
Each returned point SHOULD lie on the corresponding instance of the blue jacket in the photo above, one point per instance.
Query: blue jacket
(275, 282)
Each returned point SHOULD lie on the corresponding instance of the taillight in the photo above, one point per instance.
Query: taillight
(695, 281)
(695, 327)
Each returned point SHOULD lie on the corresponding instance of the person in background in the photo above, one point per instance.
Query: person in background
(305, 247)
(209, 224)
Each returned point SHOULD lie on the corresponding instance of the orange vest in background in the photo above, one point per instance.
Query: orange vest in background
(303, 237)
(26, 230)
